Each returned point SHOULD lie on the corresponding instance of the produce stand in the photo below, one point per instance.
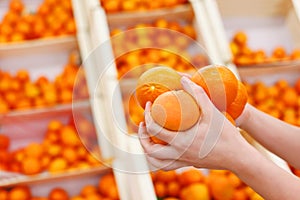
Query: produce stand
(204, 26)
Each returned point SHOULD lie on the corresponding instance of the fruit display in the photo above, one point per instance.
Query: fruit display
(281, 99)
(52, 18)
(113, 6)
(60, 150)
(162, 42)
(243, 55)
(192, 184)
(51, 127)
(105, 189)
(19, 92)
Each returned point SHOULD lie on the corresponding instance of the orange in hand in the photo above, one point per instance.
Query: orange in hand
(156, 81)
(219, 83)
(175, 110)
(225, 91)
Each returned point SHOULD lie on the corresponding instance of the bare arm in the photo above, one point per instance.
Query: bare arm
(265, 177)
(277, 136)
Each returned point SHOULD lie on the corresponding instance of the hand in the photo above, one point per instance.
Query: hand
(212, 143)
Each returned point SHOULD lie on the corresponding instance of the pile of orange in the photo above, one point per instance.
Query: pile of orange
(52, 18)
(193, 184)
(105, 190)
(60, 150)
(155, 46)
(112, 6)
(19, 92)
(243, 55)
(281, 100)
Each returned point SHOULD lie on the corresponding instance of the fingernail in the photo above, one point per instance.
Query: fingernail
(141, 124)
(148, 104)
(185, 80)
(140, 127)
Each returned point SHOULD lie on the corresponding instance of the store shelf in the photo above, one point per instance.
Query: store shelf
(33, 114)
(270, 74)
(11, 179)
(37, 45)
(273, 24)
(183, 12)
(120, 149)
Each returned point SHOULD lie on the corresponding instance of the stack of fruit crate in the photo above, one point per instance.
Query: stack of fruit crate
(48, 139)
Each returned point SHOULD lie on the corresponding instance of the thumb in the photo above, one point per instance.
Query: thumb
(198, 93)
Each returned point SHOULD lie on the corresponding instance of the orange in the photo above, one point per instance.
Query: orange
(78, 198)
(20, 193)
(136, 112)
(240, 38)
(4, 142)
(65, 96)
(107, 186)
(69, 136)
(82, 152)
(156, 81)
(173, 189)
(236, 108)
(160, 189)
(70, 154)
(5, 157)
(3, 107)
(93, 197)
(297, 86)
(31, 165)
(113, 193)
(256, 196)
(234, 180)
(219, 83)
(58, 194)
(295, 54)
(57, 165)
(22, 75)
(190, 176)
(11, 98)
(45, 161)
(289, 97)
(3, 194)
(16, 6)
(175, 110)
(166, 176)
(221, 188)
(34, 150)
(279, 52)
(88, 190)
(54, 150)
(197, 191)
(282, 84)
(240, 194)
(54, 125)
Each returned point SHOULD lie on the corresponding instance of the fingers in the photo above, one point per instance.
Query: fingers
(156, 150)
(184, 74)
(144, 137)
(156, 130)
(199, 95)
